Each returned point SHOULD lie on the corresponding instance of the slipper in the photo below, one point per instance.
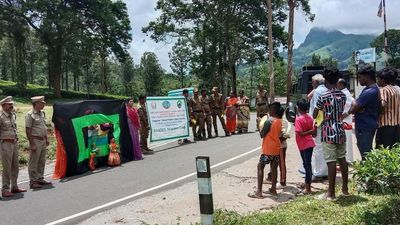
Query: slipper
(324, 197)
(254, 195)
(270, 193)
(345, 195)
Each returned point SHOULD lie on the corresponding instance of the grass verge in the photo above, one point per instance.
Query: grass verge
(354, 209)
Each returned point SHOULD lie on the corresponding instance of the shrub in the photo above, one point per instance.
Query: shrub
(380, 172)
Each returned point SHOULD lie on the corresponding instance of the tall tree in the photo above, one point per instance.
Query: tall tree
(152, 73)
(393, 37)
(270, 54)
(293, 4)
(219, 33)
(180, 58)
(58, 20)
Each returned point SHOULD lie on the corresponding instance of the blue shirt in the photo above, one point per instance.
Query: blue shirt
(369, 100)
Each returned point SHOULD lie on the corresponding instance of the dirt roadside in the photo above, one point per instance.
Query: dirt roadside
(230, 189)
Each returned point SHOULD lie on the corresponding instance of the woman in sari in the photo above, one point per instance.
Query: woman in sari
(134, 126)
(243, 112)
(230, 111)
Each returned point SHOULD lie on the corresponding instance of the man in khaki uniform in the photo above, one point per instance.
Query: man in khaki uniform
(9, 149)
(197, 114)
(36, 132)
(205, 104)
(217, 108)
(144, 126)
(261, 104)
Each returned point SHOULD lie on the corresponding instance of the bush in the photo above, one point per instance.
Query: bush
(380, 172)
(11, 88)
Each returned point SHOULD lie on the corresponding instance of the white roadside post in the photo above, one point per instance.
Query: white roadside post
(205, 189)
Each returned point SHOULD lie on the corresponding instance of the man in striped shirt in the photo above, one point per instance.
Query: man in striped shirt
(389, 120)
(333, 137)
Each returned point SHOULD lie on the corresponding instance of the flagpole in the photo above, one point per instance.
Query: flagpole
(386, 42)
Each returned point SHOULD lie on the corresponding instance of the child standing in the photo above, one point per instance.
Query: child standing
(304, 128)
(271, 146)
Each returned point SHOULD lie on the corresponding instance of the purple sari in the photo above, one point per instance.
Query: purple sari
(134, 131)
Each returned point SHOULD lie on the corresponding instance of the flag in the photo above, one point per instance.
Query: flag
(379, 14)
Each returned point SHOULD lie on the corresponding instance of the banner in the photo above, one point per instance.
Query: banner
(366, 55)
(168, 118)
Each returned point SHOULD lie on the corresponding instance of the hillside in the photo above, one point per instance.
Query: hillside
(329, 43)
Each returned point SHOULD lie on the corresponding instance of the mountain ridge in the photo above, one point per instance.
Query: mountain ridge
(327, 43)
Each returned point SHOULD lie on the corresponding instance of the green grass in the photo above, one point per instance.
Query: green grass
(355, 209)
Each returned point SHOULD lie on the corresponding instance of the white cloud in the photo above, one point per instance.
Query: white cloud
(348, 16)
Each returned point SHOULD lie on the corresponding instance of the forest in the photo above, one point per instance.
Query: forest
(83, 45)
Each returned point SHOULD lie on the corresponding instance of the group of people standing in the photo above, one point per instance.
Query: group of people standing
(205, 109)
(376, 110)
(36, 132)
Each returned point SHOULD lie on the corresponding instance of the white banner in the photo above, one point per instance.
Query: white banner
(366, 55)
(168, 118)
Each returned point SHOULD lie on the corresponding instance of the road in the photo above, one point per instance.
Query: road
(90, 193)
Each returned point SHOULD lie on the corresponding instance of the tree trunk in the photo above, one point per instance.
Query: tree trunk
(13, 67)
(271, 54)
(4, 64)
(66, 76)
(292, 4)
(104, 87)
(31, 66)
(19, 42)
(55, 62)
(251, 81)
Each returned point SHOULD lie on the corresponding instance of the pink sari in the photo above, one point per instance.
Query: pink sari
(231, 114)
(134, 125)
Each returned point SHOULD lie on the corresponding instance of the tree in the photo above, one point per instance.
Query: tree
(393, 37)
(128, 75)
(180, 58)
(152, 73)
(219, 33)
(293, 4)
(58, 21)
(315, 60)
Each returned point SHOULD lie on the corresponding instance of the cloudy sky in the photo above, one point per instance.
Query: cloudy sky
(348, 16)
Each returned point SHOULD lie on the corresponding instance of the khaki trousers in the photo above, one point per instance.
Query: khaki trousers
(214, 114)
(37, 161)
(199, 117)
(9, 160)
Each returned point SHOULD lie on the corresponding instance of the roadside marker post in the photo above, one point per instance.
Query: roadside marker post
(205, 189)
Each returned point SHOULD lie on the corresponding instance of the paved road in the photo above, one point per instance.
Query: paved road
(79, 193)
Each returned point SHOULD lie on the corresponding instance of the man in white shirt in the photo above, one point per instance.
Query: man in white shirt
(341, 85)
(319, 166)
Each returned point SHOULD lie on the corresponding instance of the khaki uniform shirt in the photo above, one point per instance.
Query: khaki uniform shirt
(8, 127)
(195, 104)
(261, 98)
(144, 121)
(205, 103)
(216, 102)
(37, 122)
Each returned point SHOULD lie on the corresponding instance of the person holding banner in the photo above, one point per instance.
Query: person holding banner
(144, 126)
(205, 104)
(231, 111)
(197, 115)
(217, 110)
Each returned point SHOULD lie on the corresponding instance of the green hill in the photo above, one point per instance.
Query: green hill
(329, 43)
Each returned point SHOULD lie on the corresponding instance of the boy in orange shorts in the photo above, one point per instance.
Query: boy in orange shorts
(270, 150)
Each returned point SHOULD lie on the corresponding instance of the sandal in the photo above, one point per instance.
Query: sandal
(270, 193)
(254, 195)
